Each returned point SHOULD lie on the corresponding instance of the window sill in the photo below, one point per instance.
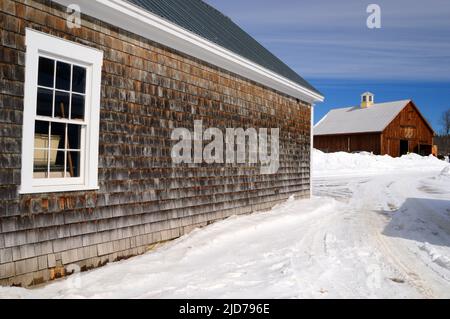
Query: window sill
(56, 189)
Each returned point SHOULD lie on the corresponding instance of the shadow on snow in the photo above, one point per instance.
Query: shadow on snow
(420, 219)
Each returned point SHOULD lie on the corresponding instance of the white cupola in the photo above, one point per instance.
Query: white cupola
(367, 99)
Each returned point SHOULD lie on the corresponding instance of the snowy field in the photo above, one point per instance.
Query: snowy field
(377, 227)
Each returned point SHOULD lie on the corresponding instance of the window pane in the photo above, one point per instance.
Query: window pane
(46, 72)
(44, 102)
(62, 104)
(77, 111)
(79, 79)
(62, 76)
(74, 136)
(73, 164)
(40, 163)
(56, 163)
(41, 134)
(58, 138)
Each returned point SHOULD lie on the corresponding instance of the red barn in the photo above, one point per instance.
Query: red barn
(393, 128)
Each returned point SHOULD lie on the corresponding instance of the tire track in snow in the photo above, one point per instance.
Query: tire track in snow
(393, 255)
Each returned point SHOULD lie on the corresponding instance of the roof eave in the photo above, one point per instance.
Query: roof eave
(146, 24)
(396, 114)
(423, 117)
(348, 133)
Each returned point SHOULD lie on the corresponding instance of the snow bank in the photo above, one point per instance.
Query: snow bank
(342, 163)
(440, 182)
(445, 173)
(436, 257)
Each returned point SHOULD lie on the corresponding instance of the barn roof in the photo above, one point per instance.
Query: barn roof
(374, 118)
(209, 23)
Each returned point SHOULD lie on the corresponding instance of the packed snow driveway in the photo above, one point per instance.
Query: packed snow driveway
(376, 227)
(404, 226)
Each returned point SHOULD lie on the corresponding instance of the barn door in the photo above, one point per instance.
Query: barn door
(425, 149)
(404, 147)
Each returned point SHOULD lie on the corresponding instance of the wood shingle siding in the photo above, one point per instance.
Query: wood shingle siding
(147, 91)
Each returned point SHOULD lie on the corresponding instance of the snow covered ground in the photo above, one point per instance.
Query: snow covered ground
(376, 227)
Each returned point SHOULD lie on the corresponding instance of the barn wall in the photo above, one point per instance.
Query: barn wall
(147, 90)
(369, 142)
(407, 125)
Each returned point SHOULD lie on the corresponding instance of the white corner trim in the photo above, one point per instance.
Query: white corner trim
(37, 44)
(311, 156)
(134, 19)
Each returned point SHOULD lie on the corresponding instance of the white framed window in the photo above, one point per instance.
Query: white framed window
(61, 115)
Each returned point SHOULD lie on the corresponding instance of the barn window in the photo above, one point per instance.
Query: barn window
(61, 115)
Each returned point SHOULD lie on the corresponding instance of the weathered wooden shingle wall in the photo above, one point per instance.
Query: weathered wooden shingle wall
(147, 90)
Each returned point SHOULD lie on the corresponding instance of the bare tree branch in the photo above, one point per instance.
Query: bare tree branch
(445, 122)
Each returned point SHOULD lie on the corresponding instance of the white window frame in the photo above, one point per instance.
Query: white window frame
(41, 44)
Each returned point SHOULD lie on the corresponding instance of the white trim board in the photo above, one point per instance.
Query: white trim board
(134, 19)
(311, 150)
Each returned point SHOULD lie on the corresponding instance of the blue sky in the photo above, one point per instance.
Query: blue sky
(328, 43)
